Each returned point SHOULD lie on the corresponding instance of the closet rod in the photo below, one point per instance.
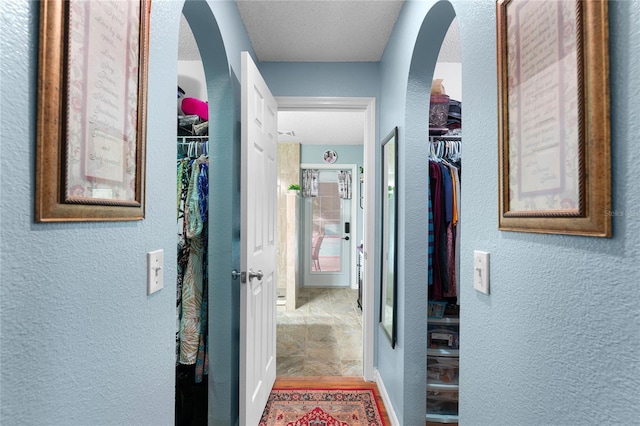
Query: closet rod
(193, 148)
(195, 138)
(445, 137)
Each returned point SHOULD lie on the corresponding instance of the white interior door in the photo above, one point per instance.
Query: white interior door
(258, 243)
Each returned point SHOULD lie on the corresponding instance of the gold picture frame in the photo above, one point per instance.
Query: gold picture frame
(92, 104)
(554, 126)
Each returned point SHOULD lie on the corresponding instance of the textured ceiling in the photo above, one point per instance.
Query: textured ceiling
(314, 36)
(311, 30)
(319, 31)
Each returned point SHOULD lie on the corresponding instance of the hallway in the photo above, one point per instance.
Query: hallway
(323, 337)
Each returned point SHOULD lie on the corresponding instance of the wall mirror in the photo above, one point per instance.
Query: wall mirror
(389, 214)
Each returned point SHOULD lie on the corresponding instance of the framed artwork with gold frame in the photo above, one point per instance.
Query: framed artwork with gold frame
(554, 127)
(91, 124)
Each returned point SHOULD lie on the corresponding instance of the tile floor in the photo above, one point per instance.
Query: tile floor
(322, 337)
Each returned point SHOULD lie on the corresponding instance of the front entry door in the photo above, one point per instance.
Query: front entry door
(328, 235)
(258, 243)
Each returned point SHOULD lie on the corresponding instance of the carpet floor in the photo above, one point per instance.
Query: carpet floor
(324, 402)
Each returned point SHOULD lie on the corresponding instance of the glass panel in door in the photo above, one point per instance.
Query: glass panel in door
(327, 254)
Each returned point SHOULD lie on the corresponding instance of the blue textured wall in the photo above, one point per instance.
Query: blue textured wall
(564, 310)
(81, 341)
(347, 154)
(538, 347)
(322, 79)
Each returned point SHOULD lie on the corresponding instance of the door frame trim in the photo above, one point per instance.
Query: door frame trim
(368, 105)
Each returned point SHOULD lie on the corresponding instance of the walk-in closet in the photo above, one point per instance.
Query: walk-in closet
(443, 340)
(192, 204)
(444, 147)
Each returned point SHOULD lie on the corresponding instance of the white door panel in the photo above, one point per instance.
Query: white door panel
(258, 244)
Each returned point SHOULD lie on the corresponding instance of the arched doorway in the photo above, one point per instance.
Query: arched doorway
(223, 243)
(414, 150)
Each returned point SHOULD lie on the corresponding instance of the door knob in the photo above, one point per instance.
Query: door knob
(257, 275)
(346, 238)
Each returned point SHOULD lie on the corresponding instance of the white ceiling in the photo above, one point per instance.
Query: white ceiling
(322, 127)
(319, 31)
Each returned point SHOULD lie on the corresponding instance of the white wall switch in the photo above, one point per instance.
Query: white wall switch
(155, 271)
(481, 271)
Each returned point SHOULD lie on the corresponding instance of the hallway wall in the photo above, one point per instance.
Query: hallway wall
(563, 310)
(81, 342)
(340, 79)
(287, 230)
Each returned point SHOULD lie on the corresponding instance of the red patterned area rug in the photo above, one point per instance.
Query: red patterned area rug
(322, 407)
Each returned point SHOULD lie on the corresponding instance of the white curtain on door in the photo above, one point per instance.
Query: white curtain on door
(344, 184)
(310, 182)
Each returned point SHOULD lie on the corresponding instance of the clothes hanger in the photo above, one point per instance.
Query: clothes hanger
(457, 151)
(432, 151)
(446, 152)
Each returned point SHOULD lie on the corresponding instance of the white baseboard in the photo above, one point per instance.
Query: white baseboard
(385, 398)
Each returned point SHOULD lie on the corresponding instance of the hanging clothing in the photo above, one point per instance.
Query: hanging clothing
(444, 220)
(183, 176)
(453, 240)
(431, 236)
(458, 228)
(445, 232)
(435, 174)
(192, 298)
(190, 322)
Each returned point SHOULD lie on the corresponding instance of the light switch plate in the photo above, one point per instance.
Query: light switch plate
(481, 271)
(155, 271)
